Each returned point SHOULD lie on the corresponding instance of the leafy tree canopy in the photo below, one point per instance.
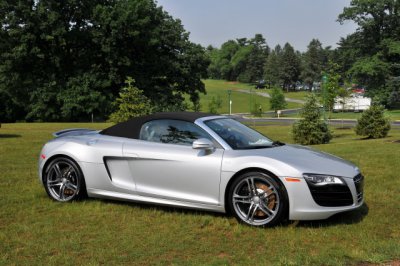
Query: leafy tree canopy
(277, 100)
(63, 60)
(370, 55)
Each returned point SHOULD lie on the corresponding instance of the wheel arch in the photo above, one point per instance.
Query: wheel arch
(254, 169)
(60, 155)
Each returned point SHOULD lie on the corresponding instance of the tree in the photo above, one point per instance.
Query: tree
(215, 104)
(373, 123)
(241, 60)
(370, 55)
(256, 58)
(332, 86)
(273, 68)
(52, 50)
(343, 95)
(221, 66)
(310, 129)
(314, 61)
(277, 100)
(290, 67)
(130, 103)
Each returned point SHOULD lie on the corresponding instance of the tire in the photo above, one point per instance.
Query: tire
(63, 180)
(257, 199)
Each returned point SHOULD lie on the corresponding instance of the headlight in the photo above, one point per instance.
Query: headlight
(322, 180)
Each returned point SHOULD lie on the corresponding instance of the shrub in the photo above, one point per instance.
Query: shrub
(277, 99)
(257, 110)
(310, 129)
(130, 103)
(373, 123)
(215, 104)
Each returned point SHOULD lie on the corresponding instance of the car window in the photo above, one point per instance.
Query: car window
(172, 131)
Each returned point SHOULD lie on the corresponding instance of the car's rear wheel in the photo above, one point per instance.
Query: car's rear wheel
(257, 199)
(63, 180)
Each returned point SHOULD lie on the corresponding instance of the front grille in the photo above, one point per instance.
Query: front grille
(331, 195)
(359, 183)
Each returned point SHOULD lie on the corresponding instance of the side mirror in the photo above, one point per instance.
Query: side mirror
(203, 144)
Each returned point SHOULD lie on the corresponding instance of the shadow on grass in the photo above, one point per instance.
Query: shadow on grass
(163, 208)
(350, 217)
(9, 136)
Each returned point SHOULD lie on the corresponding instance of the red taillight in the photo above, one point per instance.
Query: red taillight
(43, 156)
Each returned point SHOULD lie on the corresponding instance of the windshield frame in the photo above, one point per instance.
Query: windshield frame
(225, 143)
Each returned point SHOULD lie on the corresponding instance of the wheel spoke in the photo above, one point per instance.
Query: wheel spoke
(69, 171)
(251, 212)
(62, 191)
(54, 183)
(251, 186)
(266, 210)
(57, 170)
(242, 199)
(71, 186)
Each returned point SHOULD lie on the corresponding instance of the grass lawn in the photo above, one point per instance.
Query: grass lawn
(35, 230)
(298, 95)
(391, 114)
(241, 102)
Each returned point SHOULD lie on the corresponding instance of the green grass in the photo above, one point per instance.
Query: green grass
(298, 95)
(35, 230)
(391, 114)
(241, 102)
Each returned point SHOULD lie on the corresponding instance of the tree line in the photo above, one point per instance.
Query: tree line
(252, 60)
(368, 57)
(68, 60)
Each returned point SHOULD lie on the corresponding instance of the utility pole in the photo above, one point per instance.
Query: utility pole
(230, 101)
(324, 80)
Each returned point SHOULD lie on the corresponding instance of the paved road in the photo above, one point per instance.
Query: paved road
(243, 117)
(268, 121)
(266, 94)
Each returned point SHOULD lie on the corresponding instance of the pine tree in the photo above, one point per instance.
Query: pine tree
(130, 103)
(310, 129)
(373, 123)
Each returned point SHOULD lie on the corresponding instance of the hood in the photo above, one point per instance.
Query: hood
(308, 160)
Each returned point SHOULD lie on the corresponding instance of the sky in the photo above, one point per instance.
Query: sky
(279, 21)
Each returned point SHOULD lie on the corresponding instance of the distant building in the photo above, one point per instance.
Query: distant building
(355, 103)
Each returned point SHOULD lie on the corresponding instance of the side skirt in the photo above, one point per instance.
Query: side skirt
(97, 193)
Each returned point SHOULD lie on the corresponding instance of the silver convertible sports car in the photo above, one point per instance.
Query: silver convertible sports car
(203, 161)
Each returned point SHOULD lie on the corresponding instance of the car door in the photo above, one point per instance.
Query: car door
(166, 165)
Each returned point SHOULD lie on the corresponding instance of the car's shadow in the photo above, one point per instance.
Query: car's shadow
(163, 208)
(9, 136)
(349, 217)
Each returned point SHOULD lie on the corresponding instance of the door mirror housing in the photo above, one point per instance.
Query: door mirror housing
(203, 144)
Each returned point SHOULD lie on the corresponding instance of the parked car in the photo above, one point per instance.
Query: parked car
(261, 84)
(203, 161)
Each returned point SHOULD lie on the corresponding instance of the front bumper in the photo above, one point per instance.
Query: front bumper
(308, 205)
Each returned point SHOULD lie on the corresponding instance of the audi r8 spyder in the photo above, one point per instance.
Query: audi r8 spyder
(203, 161)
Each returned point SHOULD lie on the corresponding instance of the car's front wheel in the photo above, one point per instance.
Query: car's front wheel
(257, 199)
(63, 180)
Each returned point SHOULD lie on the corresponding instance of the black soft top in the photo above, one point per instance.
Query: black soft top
(131, 128)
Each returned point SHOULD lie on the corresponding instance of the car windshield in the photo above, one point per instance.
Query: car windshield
(239, 136)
